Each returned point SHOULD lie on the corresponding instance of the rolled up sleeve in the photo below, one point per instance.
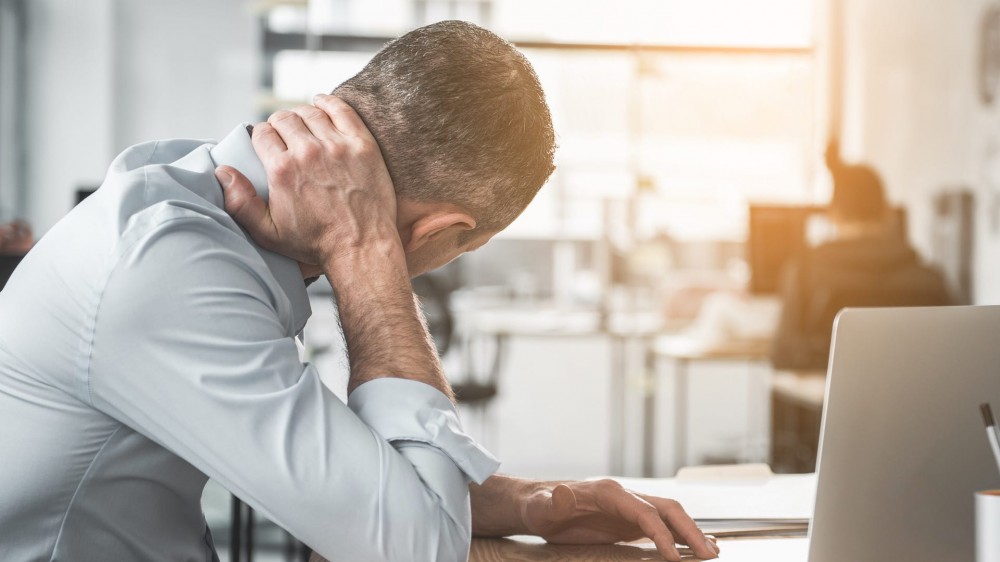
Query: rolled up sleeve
(413, 412)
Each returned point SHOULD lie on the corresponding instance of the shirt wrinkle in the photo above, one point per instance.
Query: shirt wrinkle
(79, 485)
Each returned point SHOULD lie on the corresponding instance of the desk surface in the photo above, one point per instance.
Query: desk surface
(743, 550)
(680, 347)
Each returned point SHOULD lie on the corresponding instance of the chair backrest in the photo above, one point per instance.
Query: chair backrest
(8, 263)
(913, 286)
(435, 299)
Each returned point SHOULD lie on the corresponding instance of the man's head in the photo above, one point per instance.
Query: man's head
(465, 132)
(858, 201)
(858, 196)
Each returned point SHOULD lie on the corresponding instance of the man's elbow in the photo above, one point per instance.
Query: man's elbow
(406, 535)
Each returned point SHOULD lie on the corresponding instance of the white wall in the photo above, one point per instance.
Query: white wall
(105, 74)
(69, 102)
(912, 109)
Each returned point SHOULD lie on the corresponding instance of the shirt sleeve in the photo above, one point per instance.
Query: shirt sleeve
(191, 349)
(407, 410)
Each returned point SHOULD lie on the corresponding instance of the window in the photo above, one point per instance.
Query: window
(695, 106)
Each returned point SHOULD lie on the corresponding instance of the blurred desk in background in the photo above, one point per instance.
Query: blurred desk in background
(548, 320)
(797, 409)
(641, 330)
(682, 351)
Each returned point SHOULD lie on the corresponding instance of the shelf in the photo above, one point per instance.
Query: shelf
(280, 41)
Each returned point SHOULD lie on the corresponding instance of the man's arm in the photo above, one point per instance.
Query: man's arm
(597, 512)
(339, 214)
(332, 206)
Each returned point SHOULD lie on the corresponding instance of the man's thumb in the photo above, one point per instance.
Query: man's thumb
(244, 205)
(563, 503)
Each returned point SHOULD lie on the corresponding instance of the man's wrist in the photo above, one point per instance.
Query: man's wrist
(382, 258)
(500, 504)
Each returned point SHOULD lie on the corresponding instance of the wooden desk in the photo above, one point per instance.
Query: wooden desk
(742, 550)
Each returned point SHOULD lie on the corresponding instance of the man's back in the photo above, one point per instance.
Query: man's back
(75, 473)
(864, 272)
(147, 345)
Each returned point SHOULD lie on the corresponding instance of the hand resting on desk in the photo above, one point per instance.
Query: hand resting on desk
(604, 512)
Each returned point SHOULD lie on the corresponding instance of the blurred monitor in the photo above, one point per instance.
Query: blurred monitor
(84, 192)
(8, 262)
(778, 232)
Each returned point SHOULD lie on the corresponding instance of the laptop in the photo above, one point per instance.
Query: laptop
(903, 445)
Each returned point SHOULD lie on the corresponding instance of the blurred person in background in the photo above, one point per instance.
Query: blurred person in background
(867, 263)
(15, 238)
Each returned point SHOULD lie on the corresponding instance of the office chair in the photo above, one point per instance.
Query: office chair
(912, 287)
(435, 295)
(796, 426)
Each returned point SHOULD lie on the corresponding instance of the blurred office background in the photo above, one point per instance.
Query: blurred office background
(622, 325)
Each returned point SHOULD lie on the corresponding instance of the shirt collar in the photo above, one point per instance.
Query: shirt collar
(237, 151)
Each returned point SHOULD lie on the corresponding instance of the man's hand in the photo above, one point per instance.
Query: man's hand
(330, 194)
(602, 511)
(331, 204)
(592, 512)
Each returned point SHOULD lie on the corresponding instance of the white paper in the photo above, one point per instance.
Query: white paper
(754, 550)
(764, 550)
(783, 496)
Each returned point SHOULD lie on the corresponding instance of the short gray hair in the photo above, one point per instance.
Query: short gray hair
(460, 117)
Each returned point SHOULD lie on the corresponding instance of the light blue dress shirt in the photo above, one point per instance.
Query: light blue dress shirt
(146, 345)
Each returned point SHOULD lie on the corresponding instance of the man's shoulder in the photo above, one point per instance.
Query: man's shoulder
(154, 185)
(154, 152)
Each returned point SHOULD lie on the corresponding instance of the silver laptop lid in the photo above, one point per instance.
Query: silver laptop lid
(903, 445)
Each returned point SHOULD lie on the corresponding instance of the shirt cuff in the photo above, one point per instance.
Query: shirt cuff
(405, 410)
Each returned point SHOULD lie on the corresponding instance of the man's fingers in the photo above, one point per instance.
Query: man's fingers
(613, 498)
(343, 116)
(648, 519)
(245, 206)
(318, 122)
(684, 527)
(267, 142)
(292, 129)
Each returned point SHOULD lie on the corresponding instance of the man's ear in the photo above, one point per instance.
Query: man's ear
(434, 225)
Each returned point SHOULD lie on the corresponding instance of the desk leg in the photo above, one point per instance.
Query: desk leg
(618, 367)
(649, 390)
(763, 413)
(236, 525)
(680, 413)
(752, 398)
(249, 534)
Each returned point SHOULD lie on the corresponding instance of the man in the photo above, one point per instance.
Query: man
(147, 343)
(866, 264)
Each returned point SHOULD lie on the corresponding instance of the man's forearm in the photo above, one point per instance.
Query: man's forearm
(498, 503)
(383, 326)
